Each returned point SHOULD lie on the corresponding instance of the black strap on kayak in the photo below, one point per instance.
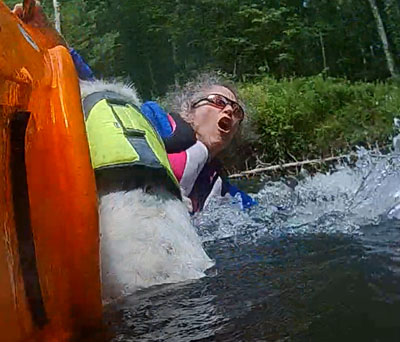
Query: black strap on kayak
(22, 217)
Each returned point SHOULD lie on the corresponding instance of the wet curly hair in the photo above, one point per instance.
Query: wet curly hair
(180, 100)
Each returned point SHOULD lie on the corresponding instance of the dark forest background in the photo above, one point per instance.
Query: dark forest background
(319, 76)
(157, 43)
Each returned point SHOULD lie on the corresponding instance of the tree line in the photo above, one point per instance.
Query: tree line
(159, 43)
(313, 73)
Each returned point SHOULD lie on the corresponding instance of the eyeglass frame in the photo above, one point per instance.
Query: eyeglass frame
(229, 102)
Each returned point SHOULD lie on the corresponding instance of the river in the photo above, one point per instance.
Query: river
(318, 261)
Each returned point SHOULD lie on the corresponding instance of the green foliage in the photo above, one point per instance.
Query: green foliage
(159, 43)
(81, 23)
(310, 117)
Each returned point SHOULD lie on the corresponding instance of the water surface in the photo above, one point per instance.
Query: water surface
(320, 262)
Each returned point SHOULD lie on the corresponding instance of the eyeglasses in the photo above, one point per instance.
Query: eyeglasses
(220, 101)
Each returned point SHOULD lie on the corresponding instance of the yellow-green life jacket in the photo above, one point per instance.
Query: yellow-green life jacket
(120, 135)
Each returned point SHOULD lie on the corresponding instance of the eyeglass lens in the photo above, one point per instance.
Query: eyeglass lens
(222, 101)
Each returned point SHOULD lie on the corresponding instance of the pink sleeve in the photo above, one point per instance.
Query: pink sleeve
(188, 164)
(178, 163)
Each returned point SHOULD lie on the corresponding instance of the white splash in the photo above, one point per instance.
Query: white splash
(146, 240)
(342, 201)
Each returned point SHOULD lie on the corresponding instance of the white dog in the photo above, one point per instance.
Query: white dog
(146, 237)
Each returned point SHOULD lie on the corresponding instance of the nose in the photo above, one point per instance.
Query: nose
(228, 110)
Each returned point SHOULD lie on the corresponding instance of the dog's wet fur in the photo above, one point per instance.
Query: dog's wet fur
(146, 235)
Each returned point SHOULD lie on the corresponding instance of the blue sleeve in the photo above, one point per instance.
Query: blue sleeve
(84, 71)
(158, 117)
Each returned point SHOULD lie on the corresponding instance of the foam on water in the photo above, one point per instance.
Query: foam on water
(338, 202)
(147, 240)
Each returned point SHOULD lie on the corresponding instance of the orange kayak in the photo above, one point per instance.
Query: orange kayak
(49, 236)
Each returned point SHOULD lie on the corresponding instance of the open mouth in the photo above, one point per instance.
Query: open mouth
(224, 124)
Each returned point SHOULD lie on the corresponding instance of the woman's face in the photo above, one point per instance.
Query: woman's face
(215, 124)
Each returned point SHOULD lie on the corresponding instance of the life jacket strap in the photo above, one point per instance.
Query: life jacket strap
(90, 101)
(121, 137)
